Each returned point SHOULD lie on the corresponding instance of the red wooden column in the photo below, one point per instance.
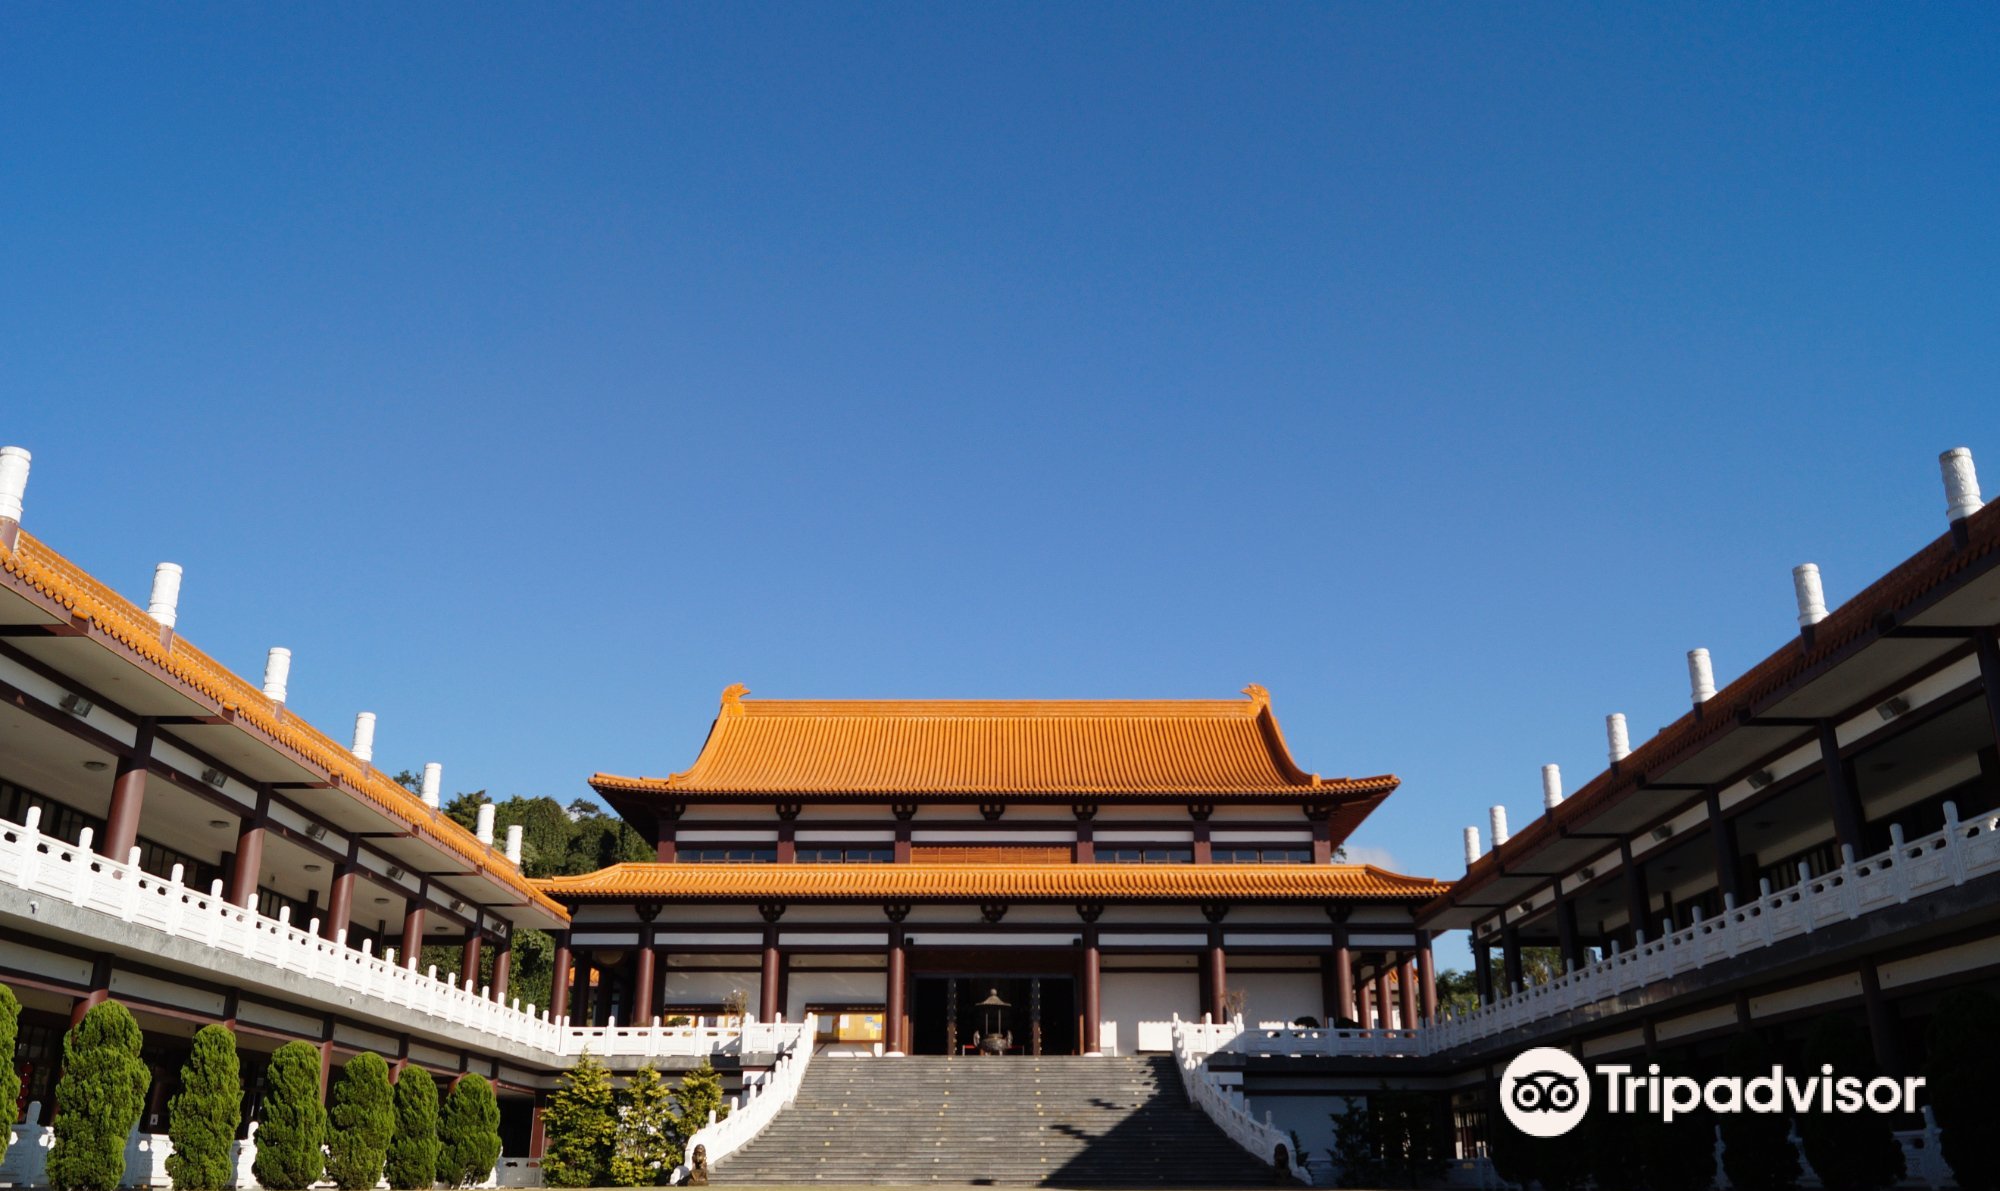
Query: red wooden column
(767, 986)
(560, 978)
(642, 979)
(413, 932)
(503, 963)
(1427, 980)
(1093, 994)
(582, 1011)
(892, 1028)
(339, 902)
(1343, 983)
(1382, 999)
(128, 797)
(468, 966)
(100, 990)
(1406, 994)
(249, 862)
(1218, 978)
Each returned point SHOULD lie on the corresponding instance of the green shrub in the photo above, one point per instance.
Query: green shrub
(699, 1094)
(1757, 1154)
(360, 1122)
(646, 1150)
(1848, 1151)
(413, 1151)
(98, 1100)
(580, 1128)
(291, 1125)
(202, 1119)
(468, 1133)
(1964, 1055)
(10, 1079)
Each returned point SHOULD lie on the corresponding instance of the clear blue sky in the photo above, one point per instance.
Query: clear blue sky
(535, 372)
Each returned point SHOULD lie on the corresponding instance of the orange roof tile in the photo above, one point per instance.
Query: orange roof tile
(1040, 882)
(1063, 749)
(43, 570)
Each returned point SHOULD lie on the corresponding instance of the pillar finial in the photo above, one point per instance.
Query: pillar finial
(1961, 484)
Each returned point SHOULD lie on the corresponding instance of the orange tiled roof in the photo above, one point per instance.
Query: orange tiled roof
(119, 620)
(1039, 882)
(1062, 749)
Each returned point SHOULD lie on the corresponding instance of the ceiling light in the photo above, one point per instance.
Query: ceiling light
(97, 766)
(218, 824)
(313, 868)
(381, 901)
(76, 705)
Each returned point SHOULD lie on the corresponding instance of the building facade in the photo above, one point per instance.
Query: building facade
(892, 865)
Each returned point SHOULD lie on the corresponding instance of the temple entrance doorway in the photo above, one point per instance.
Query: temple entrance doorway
(990, 1014)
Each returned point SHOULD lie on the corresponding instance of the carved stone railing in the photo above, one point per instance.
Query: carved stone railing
(757, 1107)
(34, 865)
(1193, 1043)
(1907, 869)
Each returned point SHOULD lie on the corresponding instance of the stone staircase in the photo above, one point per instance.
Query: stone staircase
(1052, 1122)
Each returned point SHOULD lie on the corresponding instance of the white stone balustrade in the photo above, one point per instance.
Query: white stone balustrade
(1193, 1043)
(1908, 869)
(759, 1104)
(34, 865)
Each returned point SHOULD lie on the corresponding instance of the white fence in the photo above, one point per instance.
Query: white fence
(44, 866)
(757, 1107)
(1909, 869)
(1193, 1043)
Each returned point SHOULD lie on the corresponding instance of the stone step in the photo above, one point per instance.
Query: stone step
(1067, 1121)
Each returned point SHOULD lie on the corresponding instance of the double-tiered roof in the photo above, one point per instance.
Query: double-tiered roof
(1208, 751)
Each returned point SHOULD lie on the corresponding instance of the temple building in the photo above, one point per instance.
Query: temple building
(892, 865)
(1155, 887)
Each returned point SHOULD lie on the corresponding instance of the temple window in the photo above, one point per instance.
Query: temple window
(846, 855)
(1144, 855)
(727, 855)
(1263, 855)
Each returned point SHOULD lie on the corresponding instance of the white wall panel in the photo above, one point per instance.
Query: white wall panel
(1129, 998)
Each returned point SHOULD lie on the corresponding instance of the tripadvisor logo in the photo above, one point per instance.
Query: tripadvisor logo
(1546, 1091)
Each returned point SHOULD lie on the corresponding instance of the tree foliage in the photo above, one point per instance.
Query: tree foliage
(360, 1122)
(1964, 1055)
(1757, 1154)
(580, 1128)
(646, 1150)
(203, 1117)
(1389, 1139)
(555, 841)
(98, 1100)
(699, 1094)
(291, 1122)
(1848, 1151)
(412, 1161)
(468, 1133)
(10, 1079)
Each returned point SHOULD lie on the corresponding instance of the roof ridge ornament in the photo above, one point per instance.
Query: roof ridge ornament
(732, 698)
(1258, 695)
